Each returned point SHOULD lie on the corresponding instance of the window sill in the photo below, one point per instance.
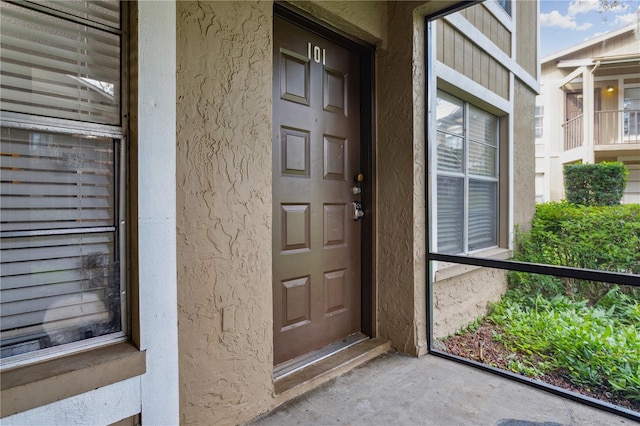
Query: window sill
(446, 270)
(31, 386)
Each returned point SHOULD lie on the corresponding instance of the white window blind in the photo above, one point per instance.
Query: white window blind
(101, 12)
(56, 181)
(60, 205)
(467, 176)
(58, 289)
(56, 68)
(450, 214)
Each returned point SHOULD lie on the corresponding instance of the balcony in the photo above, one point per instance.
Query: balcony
(612, 131)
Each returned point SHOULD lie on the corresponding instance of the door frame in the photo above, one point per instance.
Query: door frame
(367, 135)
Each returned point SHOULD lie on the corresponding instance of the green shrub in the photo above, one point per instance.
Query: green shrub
(595, 345)
(594, 237)
(599, 184)
(587, 330)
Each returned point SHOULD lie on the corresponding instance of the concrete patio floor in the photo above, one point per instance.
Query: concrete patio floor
(398, 390)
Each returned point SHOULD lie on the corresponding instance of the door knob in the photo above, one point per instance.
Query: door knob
(358, 213)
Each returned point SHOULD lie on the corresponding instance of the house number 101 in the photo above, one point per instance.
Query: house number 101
(315, 53)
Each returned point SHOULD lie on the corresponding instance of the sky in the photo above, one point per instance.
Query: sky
(565, 23)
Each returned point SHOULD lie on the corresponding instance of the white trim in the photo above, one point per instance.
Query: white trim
(103, 406)
(538, 62)
(500, 14)
(448, 270)
(432, 95)
(619, 78)
(463, 82)
(514, 34)
(574, 63)
(157, 210)
(461, 24)
(511, 166)
(568, 79)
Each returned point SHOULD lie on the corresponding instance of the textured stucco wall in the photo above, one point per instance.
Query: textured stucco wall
(524, 188)
(365, 20)
(224, 77)
(400, 170)
(459, 300)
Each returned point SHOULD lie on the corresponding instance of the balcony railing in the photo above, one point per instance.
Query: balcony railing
(573, 133)
(617, 127)
(609, 128)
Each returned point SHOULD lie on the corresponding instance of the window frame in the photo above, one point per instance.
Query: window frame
(539, 122)
(506, 5)
(121, 246)
(467, 176)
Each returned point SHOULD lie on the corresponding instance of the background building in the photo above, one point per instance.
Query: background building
(589, 110)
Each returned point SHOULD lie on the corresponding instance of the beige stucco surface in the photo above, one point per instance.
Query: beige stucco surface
(224, 210)
(461, 299)
(399, 167)
(523, 145)
(365, 20)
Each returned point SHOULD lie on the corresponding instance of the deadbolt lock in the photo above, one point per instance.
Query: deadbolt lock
(358, 212)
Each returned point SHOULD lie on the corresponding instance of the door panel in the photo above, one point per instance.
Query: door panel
(316, 154)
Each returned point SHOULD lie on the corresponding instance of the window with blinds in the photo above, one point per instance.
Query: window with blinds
(466, 176)
(61, 200)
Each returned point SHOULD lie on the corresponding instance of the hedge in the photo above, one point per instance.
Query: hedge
(592, 237)
(599, 184)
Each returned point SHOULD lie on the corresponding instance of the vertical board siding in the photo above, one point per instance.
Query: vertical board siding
(458, 52)
(616, 46)
(490, 26)
(527, 40)
(449, 45)
(468, 57)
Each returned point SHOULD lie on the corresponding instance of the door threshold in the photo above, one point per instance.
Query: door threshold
(296, 364)
(321, 371)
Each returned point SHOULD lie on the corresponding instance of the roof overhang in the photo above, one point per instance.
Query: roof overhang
(602, 61)
(588, 43)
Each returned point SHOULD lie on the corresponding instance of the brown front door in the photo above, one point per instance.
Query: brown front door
(316, 156)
